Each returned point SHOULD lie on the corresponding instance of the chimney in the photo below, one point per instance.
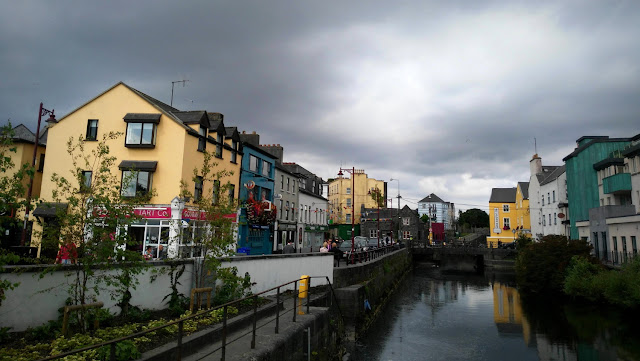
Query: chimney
(535, 165)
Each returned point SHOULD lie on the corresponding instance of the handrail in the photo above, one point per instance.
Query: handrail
(180, 322)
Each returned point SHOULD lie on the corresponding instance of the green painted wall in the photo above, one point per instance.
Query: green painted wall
(582, 179)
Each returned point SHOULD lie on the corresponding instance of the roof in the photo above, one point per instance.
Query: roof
(431, 198)
(503, 195)
(193, 117)
(149, 166)
(632, 150)
(304, 191)
(557, 172)
(143, 117)
(524, 188)
(22, 133)
(595, 140)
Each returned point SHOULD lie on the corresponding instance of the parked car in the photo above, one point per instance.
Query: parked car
(372, 243)
(359, 244)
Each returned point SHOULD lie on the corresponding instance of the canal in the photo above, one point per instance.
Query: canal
(435, 316)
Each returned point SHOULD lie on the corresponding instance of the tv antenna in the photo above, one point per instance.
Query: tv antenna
(174, 83)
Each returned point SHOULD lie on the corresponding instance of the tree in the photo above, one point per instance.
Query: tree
(214, 236)
(474, 218)
(12, 191)
(424, 218)
(94, 223)
(540, 266)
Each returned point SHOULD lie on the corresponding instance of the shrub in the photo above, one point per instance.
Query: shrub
(580, 279)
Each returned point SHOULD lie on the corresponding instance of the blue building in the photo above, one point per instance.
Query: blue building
(257, 213)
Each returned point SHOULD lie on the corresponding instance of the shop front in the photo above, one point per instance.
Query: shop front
(314, 235)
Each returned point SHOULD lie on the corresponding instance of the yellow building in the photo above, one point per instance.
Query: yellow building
(347, 195)
(161, 143)
(523, 219)
(502, 216)
(23, 141)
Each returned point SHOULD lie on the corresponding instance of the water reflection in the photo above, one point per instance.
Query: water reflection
(467, 317)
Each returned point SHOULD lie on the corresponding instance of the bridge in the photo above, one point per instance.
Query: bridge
(466, 259)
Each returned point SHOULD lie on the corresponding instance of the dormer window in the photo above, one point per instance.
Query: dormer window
(219, 140)
(202, 140)
(141, 130)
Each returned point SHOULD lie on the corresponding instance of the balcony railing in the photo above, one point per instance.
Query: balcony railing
(616, 183)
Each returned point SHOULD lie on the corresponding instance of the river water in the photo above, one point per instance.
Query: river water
(434, 316)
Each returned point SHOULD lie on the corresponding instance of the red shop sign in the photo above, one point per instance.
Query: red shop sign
(153, 213)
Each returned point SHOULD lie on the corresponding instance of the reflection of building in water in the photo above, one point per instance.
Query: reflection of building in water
(548, 351)
(507, 313)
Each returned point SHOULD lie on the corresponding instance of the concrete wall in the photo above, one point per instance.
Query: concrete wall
(37, 299)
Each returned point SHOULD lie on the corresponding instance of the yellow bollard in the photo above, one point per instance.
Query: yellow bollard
(303, 289)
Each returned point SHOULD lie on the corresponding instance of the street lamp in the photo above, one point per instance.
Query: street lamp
(377, 195)
(398, 180)
(52, 118)
(353, 206)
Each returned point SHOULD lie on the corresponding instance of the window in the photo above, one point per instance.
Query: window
(288, 183)
(348, 202)
(253, 163)
(41, 163)
(92, 129)
(197, 193)
(219, 141)
(615, 243)
(554, 196)
(140, 135)
(373, 233)
(266, 168)
(348, 218)
(406, 234)
(555, 219)
(202, 141)
(548, 198)
(623, 239)
(405, 221)
(234, 154)
(313, 186)
(85, 186)
(232, 193)
(293, 211)
(506, 222)
(348, 190)
(135, 183)
(549, 218)
(505, 208)
(634, 245)
(282, 182)
(216, 192)
(281, 208)
(543, 199)
(286, 213)
(293, 188)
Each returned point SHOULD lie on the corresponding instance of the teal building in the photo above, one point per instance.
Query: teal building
(582, 177)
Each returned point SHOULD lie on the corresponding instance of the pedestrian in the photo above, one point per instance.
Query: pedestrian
(324, 248)
(289, 248)
(67, 253)
(161, 252)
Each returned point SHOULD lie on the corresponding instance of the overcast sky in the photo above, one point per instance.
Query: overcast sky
(446, 96)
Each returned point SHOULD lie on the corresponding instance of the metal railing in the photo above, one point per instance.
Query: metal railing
(224, 342)
(616, 258)
(364, 256)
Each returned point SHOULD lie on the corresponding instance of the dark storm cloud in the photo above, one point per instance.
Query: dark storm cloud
(445, 96)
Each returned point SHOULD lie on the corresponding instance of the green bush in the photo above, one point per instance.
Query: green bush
(541, 266)
(581, 279)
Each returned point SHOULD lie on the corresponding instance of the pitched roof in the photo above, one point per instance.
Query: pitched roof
(503, 195)
(557, 172)
(431, 198)
(524, 188)
(193, 117)
(22, 133)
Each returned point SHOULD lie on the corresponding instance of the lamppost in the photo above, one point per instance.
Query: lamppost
(377, 195)
(52, 118)
(353, 206)
(398, 180)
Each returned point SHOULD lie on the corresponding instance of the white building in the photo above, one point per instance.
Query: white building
(438, 210)
(547, 199)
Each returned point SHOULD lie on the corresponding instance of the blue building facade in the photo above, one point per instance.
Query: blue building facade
(255, 224)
